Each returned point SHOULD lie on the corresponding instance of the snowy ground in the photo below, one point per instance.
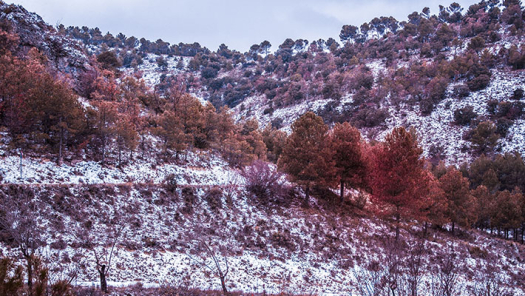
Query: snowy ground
(200, 169)
(439, 129)
(269, 248)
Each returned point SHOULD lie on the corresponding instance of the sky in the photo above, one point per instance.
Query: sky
(236, 23)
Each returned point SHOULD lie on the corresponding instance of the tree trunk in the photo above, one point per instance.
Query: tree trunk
(143, 145)
(453, 227)
(21, 164)
(103, 149)
(29, 260)
(522, 231)
(307, 197)
(60, 156)
(103, 282)
(119, 155)
(342, 190)
(223, 284)
(425, 229)
(398, 217)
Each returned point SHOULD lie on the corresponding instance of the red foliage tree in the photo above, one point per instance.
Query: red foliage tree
(462, 207)
(345, 141)
(397, 176)
(307, 157)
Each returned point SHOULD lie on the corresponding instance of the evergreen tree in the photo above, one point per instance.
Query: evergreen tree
(307, 157)
(462, 207)
(346, 144)
(397, 176)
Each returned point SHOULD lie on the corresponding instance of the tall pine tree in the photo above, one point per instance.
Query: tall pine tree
(307, 157)
(345, 141)
(397, 176)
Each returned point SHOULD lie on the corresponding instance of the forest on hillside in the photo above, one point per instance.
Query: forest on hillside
(101, 110)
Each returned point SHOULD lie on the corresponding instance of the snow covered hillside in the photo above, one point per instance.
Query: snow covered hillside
(325, 249)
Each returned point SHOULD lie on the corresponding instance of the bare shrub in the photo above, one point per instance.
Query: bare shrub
(189, 197)
(11, 277)
(393, 260)
(444, 279)
(414, 264)
(170, 183)
(20, 223)
(264, 181)
(369, 280)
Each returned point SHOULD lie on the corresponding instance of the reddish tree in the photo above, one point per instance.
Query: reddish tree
(435, 205)
(345, 141)
(307, 157)
(397, 176)
(462, 207)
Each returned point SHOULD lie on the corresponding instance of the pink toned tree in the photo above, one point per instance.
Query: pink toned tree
(397, 176)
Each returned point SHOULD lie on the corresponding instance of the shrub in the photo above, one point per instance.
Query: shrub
(108, 60)
(464, 116)
(214, 198)
(189, 197)
(11, 277)
(479, 82)
(209, 72)
(503, 125)
(484, 138)
(170, 183)
(509, 110)
(426, 106)
(370, 117)
(492, 106)
(263, 181)
(517, 94)
(461, 91)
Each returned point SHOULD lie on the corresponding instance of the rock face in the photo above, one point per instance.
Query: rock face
(63, 54)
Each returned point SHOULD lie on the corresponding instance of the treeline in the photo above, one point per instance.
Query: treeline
(401, 184)
(300, 70)
(41, 113)
(423, 56)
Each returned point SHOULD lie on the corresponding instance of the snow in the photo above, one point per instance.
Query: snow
(439, 128)
(46, 172)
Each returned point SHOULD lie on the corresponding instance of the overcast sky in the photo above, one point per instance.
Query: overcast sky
(237, 23)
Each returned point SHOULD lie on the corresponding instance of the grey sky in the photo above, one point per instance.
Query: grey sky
(237, 23)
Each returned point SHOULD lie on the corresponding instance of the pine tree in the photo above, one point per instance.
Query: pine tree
(508, 213)
(307, 157)
(345, 141)
(397, 176)
(462, 206)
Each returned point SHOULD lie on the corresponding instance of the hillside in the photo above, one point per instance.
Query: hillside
(364, 79)
(275, 246)
(177, 170)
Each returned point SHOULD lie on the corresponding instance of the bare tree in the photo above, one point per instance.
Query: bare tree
(490, 282)
(219, 265)
(414, 265)
(264, 181)
(20, 223)
(444, 280)
(393, 264)
(212, 256)
(98, 239)
(103, 258)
